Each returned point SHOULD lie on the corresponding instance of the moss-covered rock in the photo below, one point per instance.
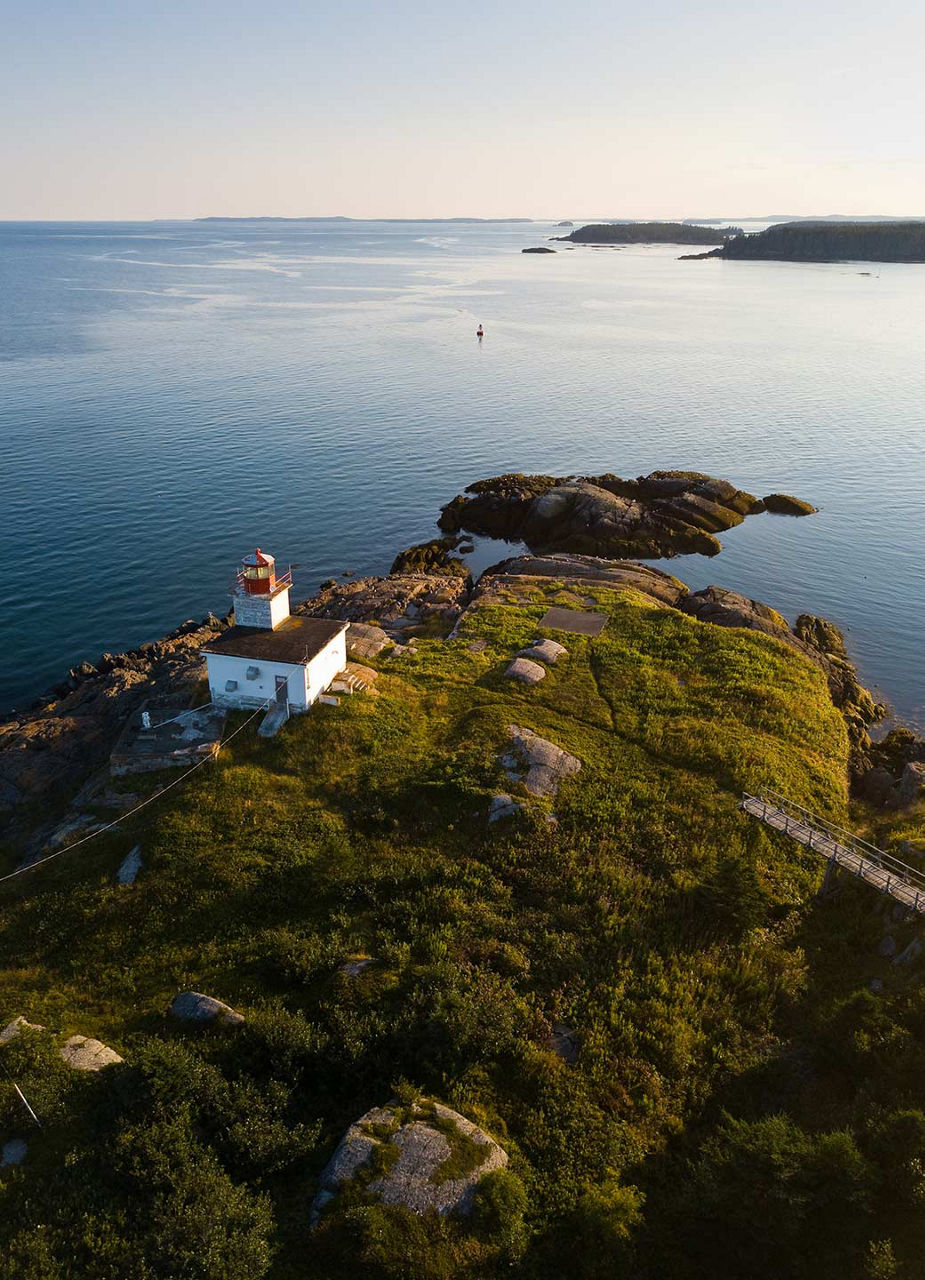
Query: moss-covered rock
(424, 1157)
(431, 557)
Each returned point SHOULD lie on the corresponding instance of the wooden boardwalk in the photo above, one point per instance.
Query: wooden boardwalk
(840, 848)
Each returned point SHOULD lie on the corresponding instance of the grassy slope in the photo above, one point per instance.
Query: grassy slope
(362, 830)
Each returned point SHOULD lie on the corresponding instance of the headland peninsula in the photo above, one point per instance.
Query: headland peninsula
(889, 241)
(480, 970)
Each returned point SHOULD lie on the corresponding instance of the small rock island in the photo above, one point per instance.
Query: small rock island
(663, 514)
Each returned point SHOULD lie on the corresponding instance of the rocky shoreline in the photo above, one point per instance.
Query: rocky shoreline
(50, 748)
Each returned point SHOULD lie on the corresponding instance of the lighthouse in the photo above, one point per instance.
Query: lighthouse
(260, 595)
(269, 656)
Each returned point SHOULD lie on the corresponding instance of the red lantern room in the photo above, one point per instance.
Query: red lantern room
(260, 594)
(258, 574)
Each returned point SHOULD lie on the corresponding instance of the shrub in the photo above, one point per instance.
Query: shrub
(500, 1209)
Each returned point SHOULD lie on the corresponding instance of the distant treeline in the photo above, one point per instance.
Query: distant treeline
(650, 233)
(832, 242)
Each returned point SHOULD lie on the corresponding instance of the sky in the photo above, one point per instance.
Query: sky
(115, 109)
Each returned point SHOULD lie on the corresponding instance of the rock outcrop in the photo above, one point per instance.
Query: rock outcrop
(394, 603)
(548, 651)
(193, 1006)
(895, 773)
(525, 671)
(129, 866)
(729, 609)
(81, 1053)
(431, 557)
(502, 806)
(425, 1158)
(539, 764)
(14, 1028)
(911, 785)
(365, 641)
(666, 513)
(580, 574)
(784, 504)
(53, 746)
(84, 1054)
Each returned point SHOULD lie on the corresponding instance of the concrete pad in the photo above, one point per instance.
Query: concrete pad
(577, 621)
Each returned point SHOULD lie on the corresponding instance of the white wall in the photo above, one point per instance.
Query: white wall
(261, 611)
(252, 693)
(324, 666)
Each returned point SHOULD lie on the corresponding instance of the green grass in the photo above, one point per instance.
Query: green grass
(672, 934)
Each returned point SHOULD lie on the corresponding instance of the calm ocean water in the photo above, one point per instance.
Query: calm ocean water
(175, 393)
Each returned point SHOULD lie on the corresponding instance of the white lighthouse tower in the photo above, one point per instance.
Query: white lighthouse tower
(261, 597)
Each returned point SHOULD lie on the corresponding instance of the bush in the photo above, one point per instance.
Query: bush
(604, 1220)
(500, 1209)
(768, 1199)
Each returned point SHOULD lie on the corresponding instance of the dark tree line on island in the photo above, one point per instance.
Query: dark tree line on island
(784, 242)
(830, 242)
(649, 233)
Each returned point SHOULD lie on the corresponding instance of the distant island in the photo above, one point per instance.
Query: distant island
(341, 218)
(813, 217)
(829, 242)
(649, 233)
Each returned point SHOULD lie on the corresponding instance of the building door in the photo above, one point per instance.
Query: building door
(282, 690)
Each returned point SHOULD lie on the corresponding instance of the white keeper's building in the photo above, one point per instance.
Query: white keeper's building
(268, 655)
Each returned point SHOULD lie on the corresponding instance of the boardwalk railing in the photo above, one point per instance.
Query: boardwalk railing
(857, 856)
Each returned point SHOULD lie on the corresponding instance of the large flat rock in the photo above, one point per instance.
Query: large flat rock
(431, 1158)
(85, 1054)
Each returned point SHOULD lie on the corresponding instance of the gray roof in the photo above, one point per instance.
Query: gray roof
(295, 641)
